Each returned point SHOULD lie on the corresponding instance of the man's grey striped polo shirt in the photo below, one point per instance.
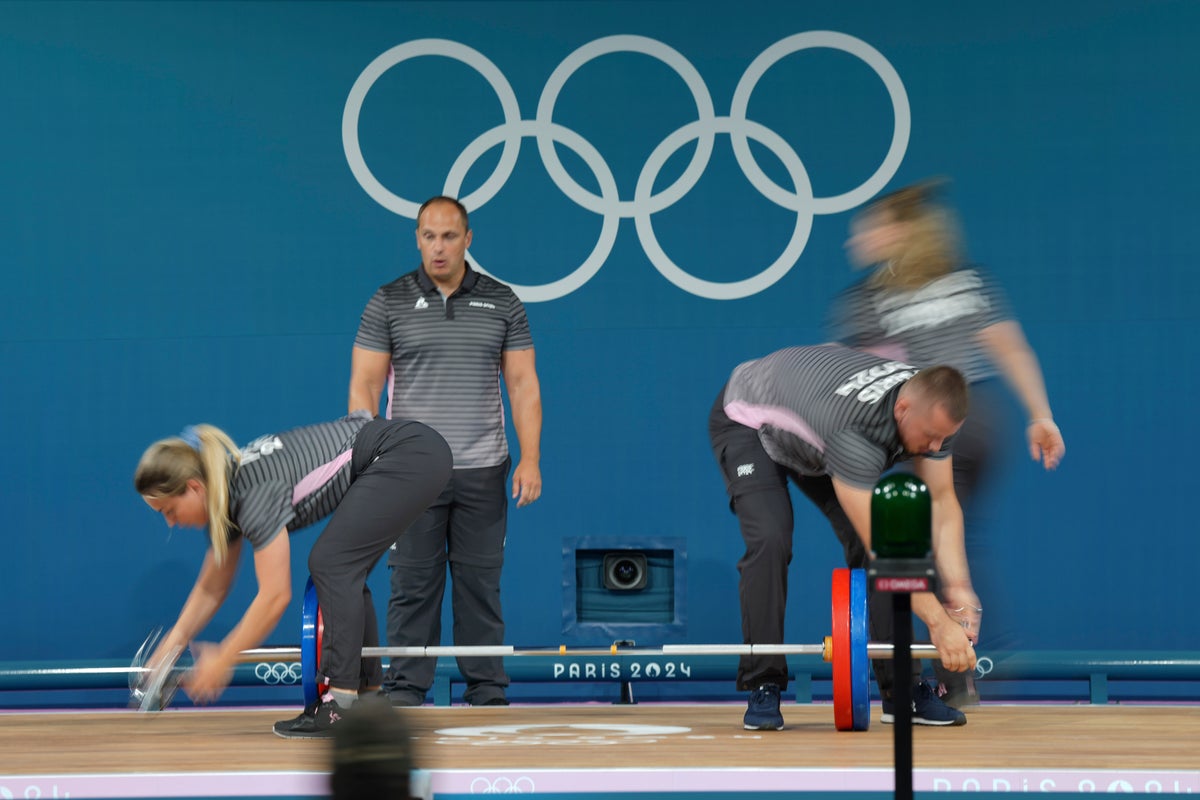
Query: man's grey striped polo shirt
(938, 323)
(824, 410)
(293, 479)
(446, 357)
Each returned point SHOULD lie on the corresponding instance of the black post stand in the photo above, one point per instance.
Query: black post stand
(902, 563)
(626, 698)
(902, 694)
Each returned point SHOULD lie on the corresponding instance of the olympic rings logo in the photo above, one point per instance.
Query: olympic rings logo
(278, 673)
(502, 785)
(645, 202)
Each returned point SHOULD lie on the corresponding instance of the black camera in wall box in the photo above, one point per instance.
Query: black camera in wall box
(625, 571)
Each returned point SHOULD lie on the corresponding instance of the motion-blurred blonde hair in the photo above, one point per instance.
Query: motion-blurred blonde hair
(931, 245)
(168, 464)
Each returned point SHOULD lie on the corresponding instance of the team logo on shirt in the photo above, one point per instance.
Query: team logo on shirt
(873, 383)
(421, 303)
(262, 446)
(482, 304)
(946, 299)
(745, 470)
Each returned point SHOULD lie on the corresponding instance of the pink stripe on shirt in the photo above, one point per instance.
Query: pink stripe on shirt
(784, 419)
(319, 477)
(391, 388)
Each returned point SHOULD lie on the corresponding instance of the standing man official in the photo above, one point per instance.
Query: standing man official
(440, 338)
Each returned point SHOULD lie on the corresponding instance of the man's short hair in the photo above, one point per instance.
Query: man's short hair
(944, 386)
(441, 198)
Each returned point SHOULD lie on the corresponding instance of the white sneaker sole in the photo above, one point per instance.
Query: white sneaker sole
(889, 719)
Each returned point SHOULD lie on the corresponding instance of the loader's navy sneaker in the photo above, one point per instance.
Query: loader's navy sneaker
(315, 722)
(762, 713)
(927, 709)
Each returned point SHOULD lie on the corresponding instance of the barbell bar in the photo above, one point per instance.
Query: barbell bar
(847, 648)
(875, 650)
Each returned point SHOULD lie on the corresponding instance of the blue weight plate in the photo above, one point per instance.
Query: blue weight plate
(860, 664)
(308, 643)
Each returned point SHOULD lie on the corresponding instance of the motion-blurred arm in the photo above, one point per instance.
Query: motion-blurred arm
(1009, 348)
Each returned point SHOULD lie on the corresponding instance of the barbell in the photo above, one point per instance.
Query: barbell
(847, 648)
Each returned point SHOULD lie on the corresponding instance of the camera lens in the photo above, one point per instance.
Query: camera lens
(625, 571)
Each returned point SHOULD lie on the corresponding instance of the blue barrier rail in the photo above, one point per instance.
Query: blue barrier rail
(1098, 668)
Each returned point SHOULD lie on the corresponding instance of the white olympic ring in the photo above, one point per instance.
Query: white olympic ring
(591, 157)
(711, 289)
(389, 59)
(503, 785)
(900, 110)
(278, 673)
(983, 666)
(645, 202)
(627, 44)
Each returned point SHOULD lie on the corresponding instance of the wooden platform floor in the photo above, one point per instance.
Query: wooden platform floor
(1015, 742)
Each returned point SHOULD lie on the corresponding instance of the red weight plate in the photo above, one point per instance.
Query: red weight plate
(843, 698)
(320, 635)
(323, 686)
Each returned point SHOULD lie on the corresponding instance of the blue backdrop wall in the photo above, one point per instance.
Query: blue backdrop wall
(199, 198)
